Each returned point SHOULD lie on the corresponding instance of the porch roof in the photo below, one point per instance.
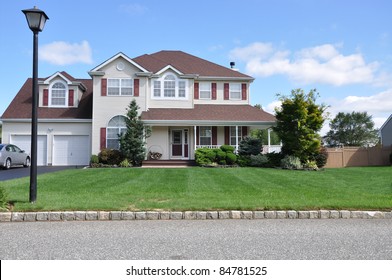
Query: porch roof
(220, 115)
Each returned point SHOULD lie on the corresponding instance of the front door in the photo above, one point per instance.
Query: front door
(179, 143)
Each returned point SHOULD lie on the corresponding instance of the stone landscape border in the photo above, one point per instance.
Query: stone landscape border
(187, 215)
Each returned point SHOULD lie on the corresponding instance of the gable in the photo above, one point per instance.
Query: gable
(125, 58)
(385, 125)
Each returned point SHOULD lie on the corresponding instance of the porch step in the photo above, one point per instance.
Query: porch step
(168, 163)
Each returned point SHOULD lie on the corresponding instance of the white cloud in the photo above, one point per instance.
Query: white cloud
(133, 9)
(319, 64)
(271, 107)
(65, 53)
(380, 103)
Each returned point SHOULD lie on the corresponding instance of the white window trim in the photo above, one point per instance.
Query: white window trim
(162, 88)
(232, 91)
(120, 87)
(50, 95)
(200, 90)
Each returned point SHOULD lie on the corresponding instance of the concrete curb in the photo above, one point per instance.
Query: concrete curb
(187, 215)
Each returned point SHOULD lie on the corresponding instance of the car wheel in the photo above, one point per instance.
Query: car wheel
(27, 162)
(7, 163)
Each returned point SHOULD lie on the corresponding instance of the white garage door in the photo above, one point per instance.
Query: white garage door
(24, 142)
(71, 150)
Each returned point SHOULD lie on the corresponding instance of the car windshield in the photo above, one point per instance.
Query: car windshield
(1, 146)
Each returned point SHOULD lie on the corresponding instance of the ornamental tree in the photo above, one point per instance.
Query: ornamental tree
(299, 119)
(133, 141)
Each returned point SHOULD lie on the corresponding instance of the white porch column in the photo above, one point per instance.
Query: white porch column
(194, 136)
(236, 138)
(269, 137)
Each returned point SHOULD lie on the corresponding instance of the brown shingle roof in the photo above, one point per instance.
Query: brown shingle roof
(187, 64)
(20, 106)
(217, 113)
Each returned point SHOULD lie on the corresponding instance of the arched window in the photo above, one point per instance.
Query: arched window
(169, 89)
(116, 127)
(58, 94)
(169, 86)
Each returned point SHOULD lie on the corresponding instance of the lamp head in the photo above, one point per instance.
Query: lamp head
(35, 19)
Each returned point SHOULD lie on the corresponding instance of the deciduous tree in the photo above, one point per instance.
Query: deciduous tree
(352, 129)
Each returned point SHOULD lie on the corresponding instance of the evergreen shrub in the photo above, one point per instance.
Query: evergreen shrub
(258, 160)
(291, 162)
(110, 156)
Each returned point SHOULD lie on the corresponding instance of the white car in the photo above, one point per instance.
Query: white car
(11, 155)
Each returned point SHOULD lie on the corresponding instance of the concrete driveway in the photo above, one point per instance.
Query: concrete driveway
(20, 172)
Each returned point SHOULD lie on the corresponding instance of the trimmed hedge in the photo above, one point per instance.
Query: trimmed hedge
(223, 156)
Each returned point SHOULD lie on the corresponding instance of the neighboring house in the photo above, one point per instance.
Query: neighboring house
(187, 101)
(386, 133)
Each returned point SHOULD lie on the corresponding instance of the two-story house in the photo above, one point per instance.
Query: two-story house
(187, 101)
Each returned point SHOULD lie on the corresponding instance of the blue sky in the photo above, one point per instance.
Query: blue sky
(341, 48)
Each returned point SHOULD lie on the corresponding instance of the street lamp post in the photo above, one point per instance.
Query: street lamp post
(36, 20)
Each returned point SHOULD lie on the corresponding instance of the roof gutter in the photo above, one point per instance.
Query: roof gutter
(212, 78)
(207, 123)
(48, 120)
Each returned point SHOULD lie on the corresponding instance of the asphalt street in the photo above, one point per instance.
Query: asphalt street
(354, 239)
(20, 172)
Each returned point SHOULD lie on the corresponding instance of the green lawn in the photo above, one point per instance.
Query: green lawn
(197, 188)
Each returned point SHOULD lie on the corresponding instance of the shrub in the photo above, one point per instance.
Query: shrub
(311, 165)
(3, 199)
(94, 159)
(110, 156)
(274, 159)
(204, 156)
(211, 155)
(258, 160)
(220, 155)
(291, 162)
(124, 163)
(227, 148)
(222, 162)
(390, 158)
(249, 146)
(244, 161)
(231, 158)
(321, 158)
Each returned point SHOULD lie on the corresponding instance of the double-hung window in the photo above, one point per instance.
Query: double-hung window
(235, 91)
(205, 135)
(157, 88)
(58, 97)
(118, 87)
(233, 134)
(181, 89)
(205, 90)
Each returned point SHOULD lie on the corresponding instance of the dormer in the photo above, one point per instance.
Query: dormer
(169, 83)
(60, 90)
